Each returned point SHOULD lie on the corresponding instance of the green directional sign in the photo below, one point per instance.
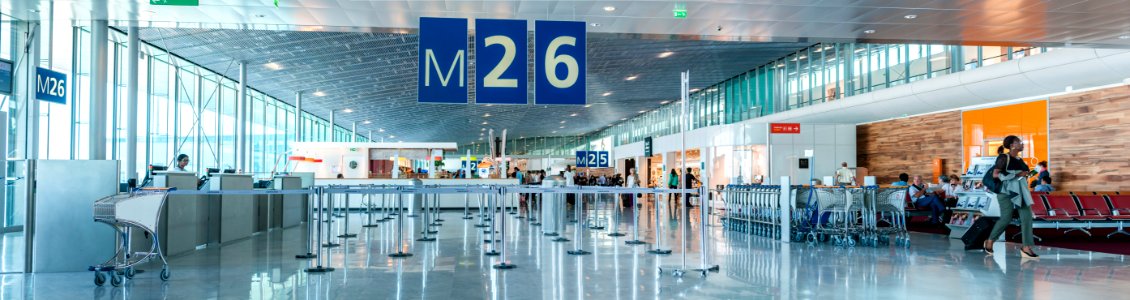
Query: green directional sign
(175, 2)
(680, 14)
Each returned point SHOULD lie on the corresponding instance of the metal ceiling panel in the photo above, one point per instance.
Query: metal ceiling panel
(375, 75)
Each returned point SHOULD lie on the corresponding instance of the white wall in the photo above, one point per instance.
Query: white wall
(831, 143)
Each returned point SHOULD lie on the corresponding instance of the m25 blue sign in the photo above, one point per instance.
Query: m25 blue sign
(50, 86)
(500, 61)
(443, 60)
(592, 159)
(501, 71)
(560, 50)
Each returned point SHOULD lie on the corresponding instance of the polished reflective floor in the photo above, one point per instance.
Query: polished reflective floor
(454, 267)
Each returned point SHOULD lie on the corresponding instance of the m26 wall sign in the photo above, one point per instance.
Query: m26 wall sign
(501, 62)
(50, 86)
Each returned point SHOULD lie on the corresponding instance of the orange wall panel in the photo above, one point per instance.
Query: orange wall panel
(983, 130)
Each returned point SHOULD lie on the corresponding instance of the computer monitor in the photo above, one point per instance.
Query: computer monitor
(154, 168)
(211, 171)
(229, 171)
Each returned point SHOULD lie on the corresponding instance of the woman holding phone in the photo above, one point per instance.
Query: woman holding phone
(1014, 197)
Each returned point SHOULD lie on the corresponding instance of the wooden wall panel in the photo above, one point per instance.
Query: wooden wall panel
(910, 145)
(1089, 139)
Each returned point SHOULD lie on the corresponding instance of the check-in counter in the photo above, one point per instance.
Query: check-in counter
(236, 212)
(292, 208)
(184, 221)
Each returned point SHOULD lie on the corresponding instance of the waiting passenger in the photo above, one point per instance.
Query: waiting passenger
(903, 178)
(926, 200)
(1045, 185)
(845, 176)
(1042, 175)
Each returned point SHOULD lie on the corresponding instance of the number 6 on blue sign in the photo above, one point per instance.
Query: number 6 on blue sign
(560, 66)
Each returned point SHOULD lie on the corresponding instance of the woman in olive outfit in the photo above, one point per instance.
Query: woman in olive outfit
(1014, 197)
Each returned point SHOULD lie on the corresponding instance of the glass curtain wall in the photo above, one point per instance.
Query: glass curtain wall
(182, 108)
(817, 74)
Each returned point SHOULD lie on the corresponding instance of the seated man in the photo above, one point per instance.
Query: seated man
(903, 178)
(925, 200)
(1045, 185)
(951, 189)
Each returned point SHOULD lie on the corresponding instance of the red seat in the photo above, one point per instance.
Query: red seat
(1121, 204)
(1061, 208)
(1094, 208)
(1039, 209)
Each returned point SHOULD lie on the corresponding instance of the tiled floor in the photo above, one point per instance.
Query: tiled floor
(454, 267)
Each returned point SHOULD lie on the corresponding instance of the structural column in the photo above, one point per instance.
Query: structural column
(132, 53)
(99, 71)
(298, 136)
(25, 37)
(353, 133)
(242, 151)
(333, 128)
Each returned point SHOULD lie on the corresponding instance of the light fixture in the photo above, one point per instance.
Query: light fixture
(486, 115)
(666, 54)
(623, 119)
(366, 122)
(609, 8)
(1124, 37)
(562, 127)
(485, 122)
(588, 105)
(347, 110)
(489, 105)
(606, 94)
(633, 77)
(572, 115)
(319, 93)
(595, 24)
(643, 111)
(910, 17)
(392, 136)
(483, 129)
(273, 66)
(562, 122)
(694, 90)
(869, 31)
(381, 129)
(780, 65)
(555, 131)
(664, 102)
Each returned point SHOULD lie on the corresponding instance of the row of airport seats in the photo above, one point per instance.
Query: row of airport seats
(1081, 211)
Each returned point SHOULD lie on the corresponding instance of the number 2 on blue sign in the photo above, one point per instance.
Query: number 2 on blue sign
(503, 69)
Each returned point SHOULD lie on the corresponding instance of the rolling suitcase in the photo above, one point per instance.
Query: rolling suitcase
(976, 235)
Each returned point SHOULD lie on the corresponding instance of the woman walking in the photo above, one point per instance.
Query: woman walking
(1014, 197)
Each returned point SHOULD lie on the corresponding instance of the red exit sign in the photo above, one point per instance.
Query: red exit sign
(784, 128)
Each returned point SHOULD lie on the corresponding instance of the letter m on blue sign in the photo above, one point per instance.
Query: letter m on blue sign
(443, 61)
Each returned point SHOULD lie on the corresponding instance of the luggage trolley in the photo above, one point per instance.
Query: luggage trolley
(889, 207)
(835, 215)
(140, 209)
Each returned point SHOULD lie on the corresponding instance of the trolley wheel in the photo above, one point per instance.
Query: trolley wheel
(99, 278)
(850, 242)
(116, 279)
(130, 272)
(165, 274)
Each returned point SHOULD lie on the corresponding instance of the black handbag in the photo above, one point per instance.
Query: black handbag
(991, 183)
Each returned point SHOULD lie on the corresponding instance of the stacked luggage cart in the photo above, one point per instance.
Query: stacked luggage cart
(844, 216)
(139, 210)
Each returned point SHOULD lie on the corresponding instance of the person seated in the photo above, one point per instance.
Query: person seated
(1045, 185)
(925, 200)
(903, 178)
(951, 189)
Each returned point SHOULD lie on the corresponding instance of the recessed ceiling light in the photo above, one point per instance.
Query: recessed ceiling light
(643, 111)
(609, 8)
(606, 94)
(664, 102)
(366, 122)
(489, 105)
(1124, 37)
(666, 54)
(633, 77)
(273, 66)
(555, 131)
(480, 138)
(623, 119)
(562, 127)
(485, 122)
(588, 105)
(483, 129)
(486, 115)
(572, 115)
(392, 136)
(910, 17)
(319, 93)
(694, 90)
(562, 122)
(869, 31)
(347, 110)
(381, 129)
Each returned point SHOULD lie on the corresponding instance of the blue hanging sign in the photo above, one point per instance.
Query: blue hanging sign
(560, 62)
(593, 159)
(50, 86)
(500, 61)
(443, 61)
